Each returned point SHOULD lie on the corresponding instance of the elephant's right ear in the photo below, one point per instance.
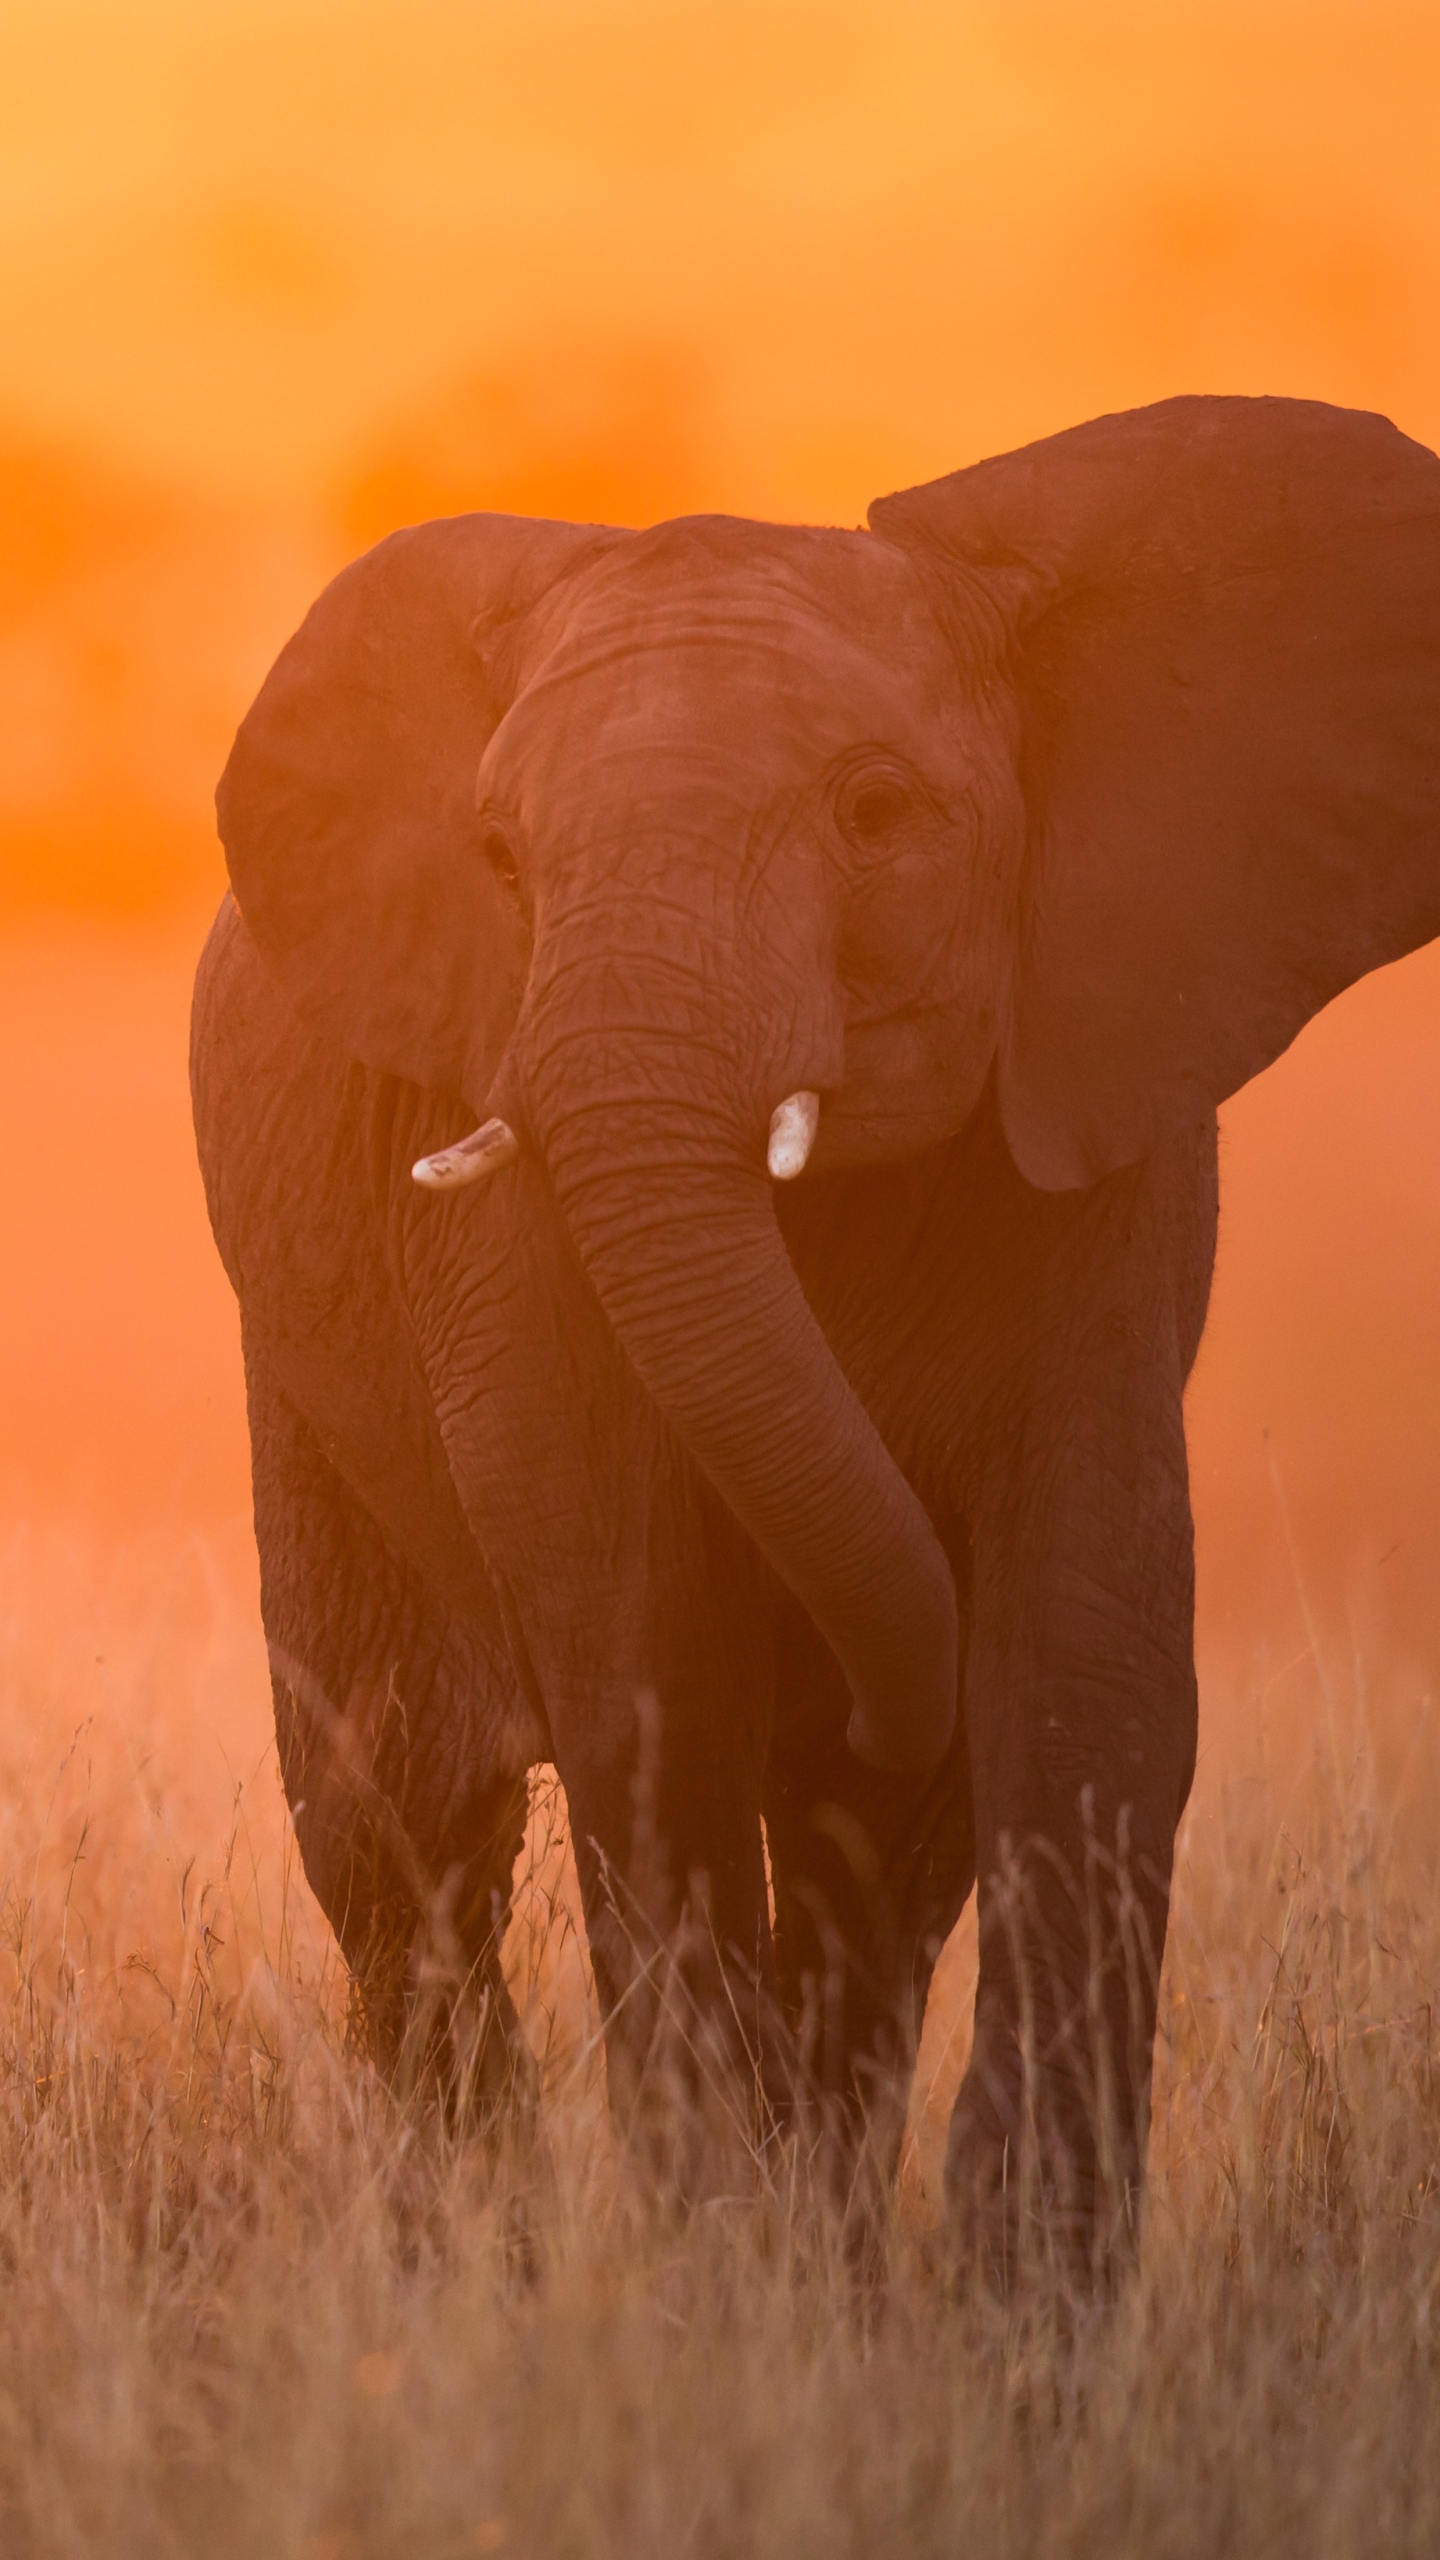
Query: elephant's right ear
(347, 809)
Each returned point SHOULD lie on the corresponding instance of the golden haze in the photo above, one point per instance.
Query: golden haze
(278, 274)
(275, 275)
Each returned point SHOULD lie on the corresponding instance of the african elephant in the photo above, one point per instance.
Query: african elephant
(772, 1412)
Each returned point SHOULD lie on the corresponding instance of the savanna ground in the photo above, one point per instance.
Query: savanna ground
(252, 2305)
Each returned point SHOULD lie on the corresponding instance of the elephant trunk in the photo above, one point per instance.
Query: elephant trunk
(658, 1157)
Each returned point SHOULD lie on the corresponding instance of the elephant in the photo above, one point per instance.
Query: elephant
(706, 1081)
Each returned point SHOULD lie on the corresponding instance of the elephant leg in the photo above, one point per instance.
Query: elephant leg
(408, 1829)
(1082, 1711)
(660, 1746)
(871, 1871)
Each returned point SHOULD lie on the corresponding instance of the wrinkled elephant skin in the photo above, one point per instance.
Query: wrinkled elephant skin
(839, 944)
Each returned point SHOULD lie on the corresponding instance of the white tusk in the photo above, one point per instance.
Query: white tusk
(793, 1124)
(483, 1152)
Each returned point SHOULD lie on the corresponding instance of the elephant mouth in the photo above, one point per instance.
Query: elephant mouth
(910, 1084)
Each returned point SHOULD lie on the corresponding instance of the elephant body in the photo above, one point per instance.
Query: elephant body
(1018, 831)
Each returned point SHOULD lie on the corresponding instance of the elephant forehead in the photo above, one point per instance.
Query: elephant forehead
(763, 579)
(798, 643)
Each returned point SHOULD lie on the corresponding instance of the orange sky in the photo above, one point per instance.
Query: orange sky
(277, 273)
(850, 241)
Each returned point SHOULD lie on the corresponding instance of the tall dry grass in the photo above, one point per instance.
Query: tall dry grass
(250, 2305)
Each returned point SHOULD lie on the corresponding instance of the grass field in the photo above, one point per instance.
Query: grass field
(251, 2306)
(276, 279)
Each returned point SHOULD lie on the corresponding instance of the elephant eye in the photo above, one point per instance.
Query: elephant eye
(497, 850)
(872, 809)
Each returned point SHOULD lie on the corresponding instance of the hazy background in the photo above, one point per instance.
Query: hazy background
(278, 274)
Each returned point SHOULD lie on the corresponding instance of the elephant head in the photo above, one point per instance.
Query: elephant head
(1096, 768)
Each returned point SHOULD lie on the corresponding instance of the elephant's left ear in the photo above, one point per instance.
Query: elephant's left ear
(1226, 633)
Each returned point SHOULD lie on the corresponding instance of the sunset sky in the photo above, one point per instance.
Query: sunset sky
(277, 274)
(815, 245)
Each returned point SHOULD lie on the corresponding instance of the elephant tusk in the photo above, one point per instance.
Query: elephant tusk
(793, 1124)
(470, 1160)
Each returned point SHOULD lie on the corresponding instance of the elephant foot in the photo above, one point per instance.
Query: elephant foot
(443, 2033)
(1035, 2198)
(700, 2080)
